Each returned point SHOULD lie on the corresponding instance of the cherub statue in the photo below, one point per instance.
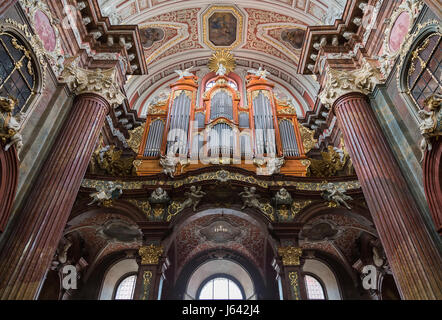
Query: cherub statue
(194, 198)
(16, 139)
(336, 194)
(431, 121)
(159, 196)
(108, 192)
(261, 73)
(250, 198)
(169, 163)
(283, 197)
(184, 73)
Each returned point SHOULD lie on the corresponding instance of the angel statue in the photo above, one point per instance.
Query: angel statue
(250, 198)
(261, 73)
(184, 73)
(159, 196)
(16, 139)
(106, 193)
(194, 198)
(336, 194)
(430, 125)
(169, 163)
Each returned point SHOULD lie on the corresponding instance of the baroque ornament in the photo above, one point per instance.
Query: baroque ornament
(106, 194)
(136, 136)
(101, 82)
(341, 82)
(251, 199)
(308, 138)
(431, 125)
(222, 62)
(150, 254)
(10, 125)
(290, 255)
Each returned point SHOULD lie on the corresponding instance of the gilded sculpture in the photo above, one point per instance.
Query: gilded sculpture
(333, 162)
(290, 255)
(150, 254)
(110, 161)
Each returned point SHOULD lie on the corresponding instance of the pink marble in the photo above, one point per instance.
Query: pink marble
(45, 30)
(399, 31)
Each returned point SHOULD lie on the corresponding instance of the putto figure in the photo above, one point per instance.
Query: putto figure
(250, 198)
(184, 73)
(169, 163)
(336, 195)
(106, 194)
(261, 73)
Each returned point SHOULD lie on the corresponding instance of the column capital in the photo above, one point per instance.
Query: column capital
(341, 82)
(290, 255)
(150, 254)
(100, 82)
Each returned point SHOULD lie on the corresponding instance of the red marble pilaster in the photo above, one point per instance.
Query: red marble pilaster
(29, 248)
(433, 183)
(5, 5)
(414, 258)
(8, 183)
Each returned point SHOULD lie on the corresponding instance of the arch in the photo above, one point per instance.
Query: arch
(225, 268)
(114, 274)
(9, 167)
(129, 278)
(327, 278)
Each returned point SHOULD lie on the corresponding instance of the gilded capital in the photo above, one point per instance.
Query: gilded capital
(290, 255)
(150, 254)
(341, 82)
(101, 82)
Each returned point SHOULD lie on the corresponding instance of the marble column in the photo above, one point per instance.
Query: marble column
(432, 168)
(290, 271)
(30, 243)
(152, 266)
(434, 5)
(412, 254)
(5, 5)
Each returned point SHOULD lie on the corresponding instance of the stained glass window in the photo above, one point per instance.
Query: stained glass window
(220, 288)
(314, 288)
(125, 290)
(425, 71)
(17, 73)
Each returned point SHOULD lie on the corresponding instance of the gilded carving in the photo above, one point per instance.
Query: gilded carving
(136, 136)
(110, 161)
(294, 283)
(222, 62)
(308, 138)
(290, 255)
(333, 161)
(147, 277)
(298, 206)
(150, 254)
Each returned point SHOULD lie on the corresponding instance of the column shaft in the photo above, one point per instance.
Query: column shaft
(29, 248)
(412, 254)
(5, 5)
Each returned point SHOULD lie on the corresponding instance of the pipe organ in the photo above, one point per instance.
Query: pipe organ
(222, 131)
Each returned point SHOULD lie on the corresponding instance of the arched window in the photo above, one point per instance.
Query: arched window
(220, 287)
(17, 72)
(126, 287)
(425, 70)
(315, 290)
(210, 84)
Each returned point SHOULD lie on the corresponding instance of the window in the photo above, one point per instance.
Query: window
(425, 71)
(211, 84)
(220, 288)
(17, 73)
(315, 291)
(125, 290)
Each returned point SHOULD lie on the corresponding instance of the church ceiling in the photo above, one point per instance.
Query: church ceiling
(270, 33)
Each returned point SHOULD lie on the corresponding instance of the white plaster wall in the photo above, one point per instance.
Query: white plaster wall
(327, 276)
(113, 274)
